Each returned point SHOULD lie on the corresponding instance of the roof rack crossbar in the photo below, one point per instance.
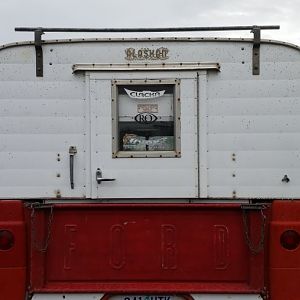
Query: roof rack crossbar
(166, 29)
(255, 29)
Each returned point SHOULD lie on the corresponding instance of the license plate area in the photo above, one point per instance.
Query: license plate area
(147, 297)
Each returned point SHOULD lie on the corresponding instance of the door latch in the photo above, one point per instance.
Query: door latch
(99, 177)
(72, 152)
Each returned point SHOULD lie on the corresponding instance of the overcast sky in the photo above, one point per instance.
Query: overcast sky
(154, 13)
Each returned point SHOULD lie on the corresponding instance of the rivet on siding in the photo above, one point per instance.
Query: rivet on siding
(234, 194)
(233, 157)
(58, 194)
(58, 175)
(233, 174)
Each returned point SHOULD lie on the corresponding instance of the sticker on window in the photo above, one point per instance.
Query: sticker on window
(144, 94)
(147, 108)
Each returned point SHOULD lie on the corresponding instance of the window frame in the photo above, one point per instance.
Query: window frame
(116, 153)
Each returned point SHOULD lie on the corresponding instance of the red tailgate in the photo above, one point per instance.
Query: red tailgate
(140, 248)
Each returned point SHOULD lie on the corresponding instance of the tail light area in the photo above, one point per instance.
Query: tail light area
(284, 270)
(12, 250)
(7, 240)
(290, 239)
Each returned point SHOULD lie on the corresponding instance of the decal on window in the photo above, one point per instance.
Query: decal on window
(144, 94)
(147, 108)
(145, 118)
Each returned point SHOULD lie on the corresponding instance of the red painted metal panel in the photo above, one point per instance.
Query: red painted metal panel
(13, 260)
(284, 264)
(146, 248)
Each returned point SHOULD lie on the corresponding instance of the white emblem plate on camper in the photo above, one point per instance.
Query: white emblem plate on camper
(146, 54)
(144, 94)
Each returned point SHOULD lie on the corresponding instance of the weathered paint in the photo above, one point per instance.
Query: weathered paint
(181, 248)
(284, 265)
(253, 118)
(13, 262)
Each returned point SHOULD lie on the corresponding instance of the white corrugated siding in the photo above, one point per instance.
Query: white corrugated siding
(254, 119)
(39, 119)
(254, 127)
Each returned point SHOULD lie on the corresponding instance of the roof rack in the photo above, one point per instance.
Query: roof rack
(255, 29)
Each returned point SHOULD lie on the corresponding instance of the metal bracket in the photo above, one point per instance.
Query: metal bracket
(38, 205)
(256, 50)
(38, 51)
(256, 206)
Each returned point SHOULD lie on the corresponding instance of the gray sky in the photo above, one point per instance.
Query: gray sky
(154, 13)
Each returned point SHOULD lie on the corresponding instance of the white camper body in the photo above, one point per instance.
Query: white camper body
(235, 134)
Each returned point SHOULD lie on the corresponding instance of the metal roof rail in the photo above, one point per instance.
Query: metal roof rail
(255, 29)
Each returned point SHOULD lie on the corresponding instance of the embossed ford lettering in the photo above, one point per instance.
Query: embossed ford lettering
(145, 118)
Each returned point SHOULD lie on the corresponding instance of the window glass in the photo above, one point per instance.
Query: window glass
(146, 119)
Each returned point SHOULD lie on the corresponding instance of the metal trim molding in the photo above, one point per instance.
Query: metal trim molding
(146, 67)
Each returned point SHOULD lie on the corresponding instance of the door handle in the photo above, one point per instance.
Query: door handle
(72, 152)
(99, 177)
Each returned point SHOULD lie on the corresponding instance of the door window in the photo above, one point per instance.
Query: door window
(146, 118)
